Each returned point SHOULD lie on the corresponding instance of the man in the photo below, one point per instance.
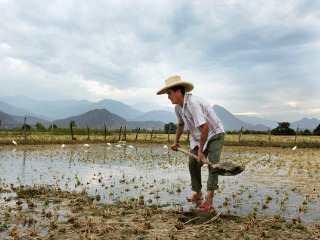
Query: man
(207, 135)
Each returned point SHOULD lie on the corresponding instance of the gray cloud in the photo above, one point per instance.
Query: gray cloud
(246, 56)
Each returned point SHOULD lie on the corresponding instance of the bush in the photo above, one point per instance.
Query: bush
(316, 131)
(39, 126)
(283, 129)
(306, 132)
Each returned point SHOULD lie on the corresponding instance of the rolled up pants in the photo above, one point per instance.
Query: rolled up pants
(213, 153)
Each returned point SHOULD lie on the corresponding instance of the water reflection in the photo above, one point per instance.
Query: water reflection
(71, 157)
(23, 165)
(160, 177)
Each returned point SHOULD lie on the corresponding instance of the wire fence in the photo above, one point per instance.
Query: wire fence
(30, 133)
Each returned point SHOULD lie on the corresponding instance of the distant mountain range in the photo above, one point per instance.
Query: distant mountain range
(231, 123)
(98, 117)
(116, 114)
(62, 109)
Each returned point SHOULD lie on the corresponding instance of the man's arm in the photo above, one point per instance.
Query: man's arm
(203, 138)
(179, 132)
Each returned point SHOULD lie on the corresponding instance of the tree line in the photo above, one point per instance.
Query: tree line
(283, 128)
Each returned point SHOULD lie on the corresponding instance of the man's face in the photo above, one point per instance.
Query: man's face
(174, 96)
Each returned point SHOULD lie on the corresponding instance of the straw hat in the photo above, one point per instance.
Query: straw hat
(175, 81)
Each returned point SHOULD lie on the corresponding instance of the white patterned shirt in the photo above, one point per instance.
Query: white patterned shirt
(195, 112)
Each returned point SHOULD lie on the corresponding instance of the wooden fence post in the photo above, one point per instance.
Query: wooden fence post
(105, 133)
(295, 138)
(71, 130)
(51, 131)
(240, 133)
(125, 133)
(25, 128)
(269, 132)
(120, 133)
(88, 138)
(152, 133)
(137, 134)
(145, 138)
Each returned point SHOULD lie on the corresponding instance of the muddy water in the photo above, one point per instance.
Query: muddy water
(276, 181)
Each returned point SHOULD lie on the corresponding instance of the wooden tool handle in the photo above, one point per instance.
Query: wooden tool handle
(194, 156)
(188, 153)
(221, 170)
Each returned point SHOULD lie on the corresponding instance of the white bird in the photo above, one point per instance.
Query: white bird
(63, 145)
(130, 146)
(86, 145)
(118, 146)
(109, 144)
(14, 142)
(294, 148)
(165, 146)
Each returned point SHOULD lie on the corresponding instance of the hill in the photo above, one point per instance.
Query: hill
(11, 121)
(31, 120)
(62, 109)
(305, 123)
(98, 117)
(23, 102)
(7, 121)
(148, 106)
(255, 121)
(9, 109)
(53, 110)
(117, 107)
(157, 115)
(231, 123)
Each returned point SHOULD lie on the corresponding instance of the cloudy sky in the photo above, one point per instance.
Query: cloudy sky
(260, 58)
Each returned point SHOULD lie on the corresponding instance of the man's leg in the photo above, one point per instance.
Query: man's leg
(195, 174)
(213, 153)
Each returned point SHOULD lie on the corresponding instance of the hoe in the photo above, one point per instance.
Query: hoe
(226, 168)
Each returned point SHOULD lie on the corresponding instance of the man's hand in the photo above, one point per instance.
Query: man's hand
(201, 156)
(179, 132)
(175, 146)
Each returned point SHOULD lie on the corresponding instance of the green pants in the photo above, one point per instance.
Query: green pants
(213, 153)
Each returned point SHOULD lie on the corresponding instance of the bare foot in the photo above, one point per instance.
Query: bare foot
(195, 197)
(205, 206)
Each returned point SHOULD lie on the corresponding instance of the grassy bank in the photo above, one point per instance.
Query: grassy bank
(264, 140)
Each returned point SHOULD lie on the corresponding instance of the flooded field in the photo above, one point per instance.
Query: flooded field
(276, 180)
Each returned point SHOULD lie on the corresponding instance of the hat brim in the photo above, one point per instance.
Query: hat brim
(187, 86)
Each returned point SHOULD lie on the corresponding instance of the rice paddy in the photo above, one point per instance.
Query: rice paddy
(52, 190)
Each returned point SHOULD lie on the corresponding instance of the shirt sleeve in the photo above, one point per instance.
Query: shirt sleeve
(178, 113)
